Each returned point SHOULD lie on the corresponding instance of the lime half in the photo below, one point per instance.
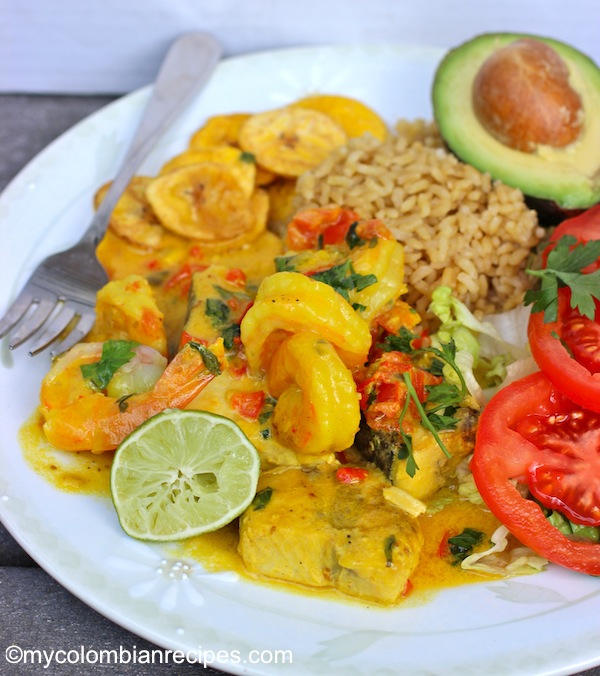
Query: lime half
(182, 473)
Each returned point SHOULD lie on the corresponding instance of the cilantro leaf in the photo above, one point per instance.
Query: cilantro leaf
(285, 263)
(262, 498)
(443, 421)
(217, 311)
(569, 256)
(352, 239)
(462, 545)
(115, 353)
(226, 294)
(564, 267)
(343, 279)
(229, 334)
(405, 452)
(444, 393)
(400, 342)
(209, 358)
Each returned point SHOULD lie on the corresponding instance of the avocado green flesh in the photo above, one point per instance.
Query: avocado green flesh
(569, 176)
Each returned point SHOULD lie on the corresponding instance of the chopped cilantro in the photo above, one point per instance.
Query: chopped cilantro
(262, 498)
(115, 353)
(230, 333)
(462, 545)
(401, 342)
(209, 358)
(352, 239)
(217, 311)
(247, 157)
(342, 278)
(226, 294)
(443, 400)
(285, 264)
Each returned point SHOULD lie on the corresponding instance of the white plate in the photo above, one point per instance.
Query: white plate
(546, 624)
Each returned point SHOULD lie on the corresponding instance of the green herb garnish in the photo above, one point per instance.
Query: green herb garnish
(229, 334)
(217, 311)
(262, 498)
(115, 353)
(462, 545)
(563, 269)
(285, 263)
(400, 342)
(343, 279)
(443, 400)
(352, 239)
(209, 358)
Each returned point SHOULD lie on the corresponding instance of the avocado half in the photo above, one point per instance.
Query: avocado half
(568, 176)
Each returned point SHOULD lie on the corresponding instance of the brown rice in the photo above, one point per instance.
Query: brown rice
(458, 227)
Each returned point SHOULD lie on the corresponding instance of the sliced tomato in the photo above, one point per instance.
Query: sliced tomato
(584, 227)
(568, 350)
(531, 434)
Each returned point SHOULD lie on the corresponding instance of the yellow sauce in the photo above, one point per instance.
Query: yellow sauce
(89, 474)
(79, 472)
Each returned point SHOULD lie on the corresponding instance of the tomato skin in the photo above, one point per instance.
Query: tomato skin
(502, 454)
(584, 227)
(572, 377)
(576, 374)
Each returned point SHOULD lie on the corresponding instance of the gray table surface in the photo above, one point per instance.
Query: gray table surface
(35, 611)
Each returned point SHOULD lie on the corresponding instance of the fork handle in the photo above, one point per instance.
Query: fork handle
(185, 70)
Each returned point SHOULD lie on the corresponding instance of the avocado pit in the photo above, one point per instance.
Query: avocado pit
(522, 96)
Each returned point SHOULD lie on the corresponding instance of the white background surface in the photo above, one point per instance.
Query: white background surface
(114, 46)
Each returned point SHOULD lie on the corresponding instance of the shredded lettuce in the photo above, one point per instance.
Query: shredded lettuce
(467, 488)
(570, 529)
(487, 352)
(498, 560)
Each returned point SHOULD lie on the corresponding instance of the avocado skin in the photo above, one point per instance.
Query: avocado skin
(550, 213)
(566, 182)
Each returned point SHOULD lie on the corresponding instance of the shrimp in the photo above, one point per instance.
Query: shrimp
(126, 308)
(290, 302)
(317, 408)
(385, 260)
(79, 417)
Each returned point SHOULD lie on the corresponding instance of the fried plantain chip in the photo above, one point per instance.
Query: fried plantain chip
(219, 130)
(354, 117)
(289, 141)
(242, 164)
(260, 207)
(133, 218)
(203, 202)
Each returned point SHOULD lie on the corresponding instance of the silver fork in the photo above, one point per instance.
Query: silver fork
(59, 298)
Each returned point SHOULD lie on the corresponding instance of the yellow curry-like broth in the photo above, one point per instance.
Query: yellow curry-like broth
(302, 445)
(87, 473)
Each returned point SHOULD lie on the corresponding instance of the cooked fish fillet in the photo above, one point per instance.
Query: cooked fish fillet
(316, 531)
